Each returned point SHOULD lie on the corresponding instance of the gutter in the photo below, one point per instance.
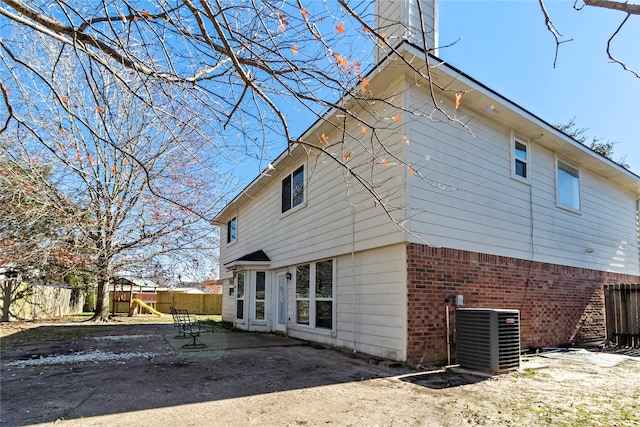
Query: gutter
(449, 69)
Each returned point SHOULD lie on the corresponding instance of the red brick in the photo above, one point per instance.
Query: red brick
(558, 304)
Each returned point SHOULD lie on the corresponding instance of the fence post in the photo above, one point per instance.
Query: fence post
(634, 315)
(609, 313)
(622, 306)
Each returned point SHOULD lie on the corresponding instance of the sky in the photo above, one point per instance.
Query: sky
(506, 46)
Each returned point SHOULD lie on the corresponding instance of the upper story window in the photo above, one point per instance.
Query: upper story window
(293, 189)
(232, 230)
(520, 159)
(567, 186)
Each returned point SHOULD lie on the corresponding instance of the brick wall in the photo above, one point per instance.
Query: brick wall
(558, 304)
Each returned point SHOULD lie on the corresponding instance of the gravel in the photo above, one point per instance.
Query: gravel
(93, 356)
(121, 337)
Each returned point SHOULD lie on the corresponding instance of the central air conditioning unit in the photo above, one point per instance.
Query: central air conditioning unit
(488, 339)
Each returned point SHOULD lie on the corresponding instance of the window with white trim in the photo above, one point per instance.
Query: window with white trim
(303, 296)
(314, 294)
(240, 296)
(293, 189)
(520, 159)
(567, 186)
(232, 230)
(261, 281)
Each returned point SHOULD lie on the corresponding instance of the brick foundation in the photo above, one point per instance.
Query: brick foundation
(558, 304)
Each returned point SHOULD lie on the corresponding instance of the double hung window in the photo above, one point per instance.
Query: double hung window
(293, 190)
(232, 230)
(520, 159)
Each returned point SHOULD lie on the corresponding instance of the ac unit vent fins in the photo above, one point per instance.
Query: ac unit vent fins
(488, 339)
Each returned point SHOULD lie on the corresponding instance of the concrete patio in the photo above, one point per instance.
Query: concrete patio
(231, 340)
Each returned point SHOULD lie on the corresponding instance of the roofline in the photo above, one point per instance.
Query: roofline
(249, 265)
(454, 70)
(316, 123)
(524, 110)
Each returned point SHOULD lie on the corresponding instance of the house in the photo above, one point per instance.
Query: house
(509, 213)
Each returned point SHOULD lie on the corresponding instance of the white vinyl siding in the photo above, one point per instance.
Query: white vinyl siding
(228, 298)
(371, 312)
(470, 202)
(562, 237)
(322, 229)
(466, 200)
(336, 211)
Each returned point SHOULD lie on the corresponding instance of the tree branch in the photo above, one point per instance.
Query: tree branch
(553, 30)
(624, 66)
(632, 9)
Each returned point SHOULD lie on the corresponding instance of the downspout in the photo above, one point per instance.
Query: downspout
(638, 232)
(448, 336)
(353, 277)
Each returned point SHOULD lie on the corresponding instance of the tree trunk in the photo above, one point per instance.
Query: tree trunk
(102, 298)
(7, 291)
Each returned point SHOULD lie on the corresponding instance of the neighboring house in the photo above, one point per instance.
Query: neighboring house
(514, 214)
(9, 272)
(213, 286)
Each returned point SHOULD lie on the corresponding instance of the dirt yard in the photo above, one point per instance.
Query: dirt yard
(126, 373)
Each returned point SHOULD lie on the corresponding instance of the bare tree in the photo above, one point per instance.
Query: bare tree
(231, 75)
(245, 63)
(225, 78)
(132, 191)
(246, 67)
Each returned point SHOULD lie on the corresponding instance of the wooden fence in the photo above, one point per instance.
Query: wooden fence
(622, 305)
(22, 301)
(195, 303)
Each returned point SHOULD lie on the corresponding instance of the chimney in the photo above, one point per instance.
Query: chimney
(400, 20)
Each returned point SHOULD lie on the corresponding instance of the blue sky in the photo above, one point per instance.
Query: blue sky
(505, 45)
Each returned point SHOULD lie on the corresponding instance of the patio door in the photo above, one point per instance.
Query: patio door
(280, 300)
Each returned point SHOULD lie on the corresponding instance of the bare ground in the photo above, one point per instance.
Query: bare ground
(125, 372)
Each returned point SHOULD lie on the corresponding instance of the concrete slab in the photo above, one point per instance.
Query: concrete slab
(585, 356)
(231, 340)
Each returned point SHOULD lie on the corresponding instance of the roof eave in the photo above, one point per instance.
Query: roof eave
(609, 169)
(540, 130)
